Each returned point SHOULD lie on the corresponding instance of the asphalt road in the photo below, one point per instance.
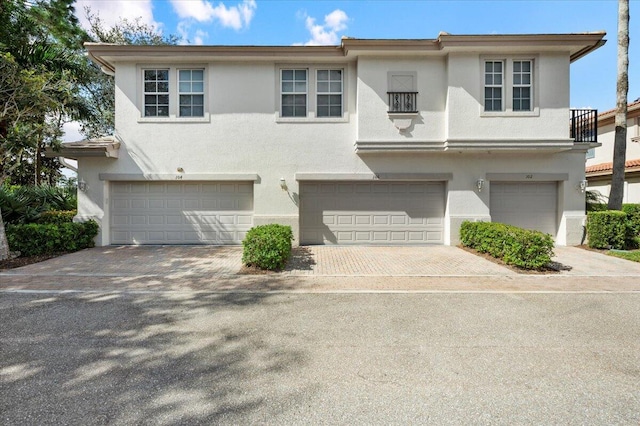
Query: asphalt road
(188, 358)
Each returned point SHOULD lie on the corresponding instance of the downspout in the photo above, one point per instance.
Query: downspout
(63, 161)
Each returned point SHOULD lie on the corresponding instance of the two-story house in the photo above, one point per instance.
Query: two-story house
(600, 160)
(369, 142)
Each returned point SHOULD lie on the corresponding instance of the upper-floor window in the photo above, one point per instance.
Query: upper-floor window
(401, 90)
(591, 153)
(508, 85)
(156, 93)
(191, 92)
(329, 93)
(522, 85)
(493, 82)
(293, 87)
(311, 92)
(173, 93)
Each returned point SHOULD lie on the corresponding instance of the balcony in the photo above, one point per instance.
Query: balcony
(402, 102)
(584, 125)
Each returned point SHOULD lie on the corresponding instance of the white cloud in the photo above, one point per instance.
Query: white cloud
(184, 28)
(111, 11)
(327, 33)
(199, 37)
(236, 17)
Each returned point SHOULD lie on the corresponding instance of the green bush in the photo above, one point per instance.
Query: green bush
(57, 217)
(515, 246)
(607, 229)
(633, 225)
(267, 246)
(24, 204)
(33, 239)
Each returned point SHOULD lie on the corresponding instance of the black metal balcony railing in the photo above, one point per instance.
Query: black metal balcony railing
(584, 125)
(402, 101)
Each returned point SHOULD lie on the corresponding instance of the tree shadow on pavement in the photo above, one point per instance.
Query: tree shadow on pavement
(143, 359)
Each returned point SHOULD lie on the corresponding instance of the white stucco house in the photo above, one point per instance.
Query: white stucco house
(368, 142)
(600, 159)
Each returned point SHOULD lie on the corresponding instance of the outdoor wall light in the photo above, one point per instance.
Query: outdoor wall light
(480, 184)
(82, 185)
(283, 184)
(583, 185)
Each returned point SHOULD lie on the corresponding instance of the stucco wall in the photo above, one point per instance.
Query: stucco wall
(606, 135)
(243, 134)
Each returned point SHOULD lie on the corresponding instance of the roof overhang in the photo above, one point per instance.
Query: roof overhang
(106, 147)
(575, 45)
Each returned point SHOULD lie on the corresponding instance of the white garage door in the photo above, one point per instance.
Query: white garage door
(529, 205)
(372, 213)
(180, 212)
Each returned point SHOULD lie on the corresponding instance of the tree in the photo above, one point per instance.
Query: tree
(100, 91)
(41, 66)
(622, 88)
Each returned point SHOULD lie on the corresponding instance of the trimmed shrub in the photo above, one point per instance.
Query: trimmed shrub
(34, 239)
(267, 246)
(515, 246)
(607, 229)
(57, 217)
(633, 223)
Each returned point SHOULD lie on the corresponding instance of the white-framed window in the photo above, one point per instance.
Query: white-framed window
(328, 93)
(509, 86)
(191, 92)
(522, 85)
(311, 92)
(293, 89)
(173, 93)
(156, 92)
(493, 85)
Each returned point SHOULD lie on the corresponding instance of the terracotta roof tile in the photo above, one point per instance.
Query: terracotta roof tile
(607, 167)
(630, 106)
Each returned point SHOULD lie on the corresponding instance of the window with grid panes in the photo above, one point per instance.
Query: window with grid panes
(156, 92)
(329, 93)
(493, 82)
(293, 89)
(522, 86)
(191, 93)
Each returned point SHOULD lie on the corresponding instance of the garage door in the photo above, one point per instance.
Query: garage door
(180, 213)
(372, 213)
(530, 205)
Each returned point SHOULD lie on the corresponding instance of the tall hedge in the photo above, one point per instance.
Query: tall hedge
(607, 229)
(35, 239)
(515, 246)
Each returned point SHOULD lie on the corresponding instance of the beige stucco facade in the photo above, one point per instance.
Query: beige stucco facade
(242, 136)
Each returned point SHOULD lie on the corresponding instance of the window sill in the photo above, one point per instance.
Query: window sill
(511, 113)
(312, 119)
(205, 119)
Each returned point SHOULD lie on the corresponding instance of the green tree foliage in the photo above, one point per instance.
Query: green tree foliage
(100, 92)
(42, 70)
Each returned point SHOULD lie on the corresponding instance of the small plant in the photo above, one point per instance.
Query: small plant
(515, 246)
(267, 246)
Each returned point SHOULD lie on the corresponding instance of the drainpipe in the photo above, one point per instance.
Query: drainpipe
(63, 161)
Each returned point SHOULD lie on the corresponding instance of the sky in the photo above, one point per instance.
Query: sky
(290, 22)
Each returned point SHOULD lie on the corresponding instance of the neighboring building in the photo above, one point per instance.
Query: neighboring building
(600, 160)
(369, 142)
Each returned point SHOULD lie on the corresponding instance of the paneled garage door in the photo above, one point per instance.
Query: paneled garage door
(372, 213)
(180, 212)
(530, 205)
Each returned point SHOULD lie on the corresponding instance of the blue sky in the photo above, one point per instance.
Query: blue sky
(275, 22)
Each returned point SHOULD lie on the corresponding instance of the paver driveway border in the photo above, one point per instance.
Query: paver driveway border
(315, 269)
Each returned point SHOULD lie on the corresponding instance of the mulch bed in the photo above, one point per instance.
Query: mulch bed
(27, 260)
